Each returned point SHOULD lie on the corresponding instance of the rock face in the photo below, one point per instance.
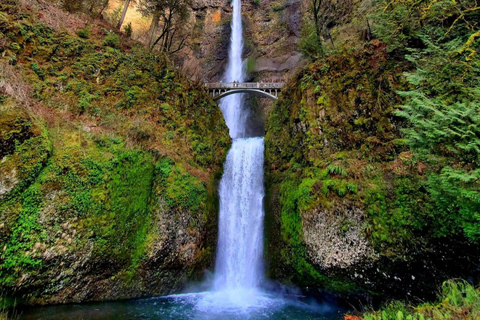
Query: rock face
(272, 31)
(336, 239)
(73, 268)
(108, 168)
(76, 228)
(347, 206)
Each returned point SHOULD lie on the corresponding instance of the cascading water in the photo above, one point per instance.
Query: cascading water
(236, 292)
(239, 267)
(239, 270)
(240, 241)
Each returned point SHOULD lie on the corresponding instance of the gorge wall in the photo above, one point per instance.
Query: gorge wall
(353, 204)
(272, 32)
(109, 161)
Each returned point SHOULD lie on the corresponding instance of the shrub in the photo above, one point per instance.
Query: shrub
(128, 29)
(38, 71)
(310, 45)
(458, 300)
(112, 40)
(84, 33)
(72, 5)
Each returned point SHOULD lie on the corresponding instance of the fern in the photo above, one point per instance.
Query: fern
(442, 106)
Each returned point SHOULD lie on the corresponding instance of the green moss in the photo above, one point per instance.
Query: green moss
(108, 192)
(402, 218)
(105, 82)
(328, 143)
(181, 190)
(24, 150)
(18, 256)
(137, 132)
(294, 199)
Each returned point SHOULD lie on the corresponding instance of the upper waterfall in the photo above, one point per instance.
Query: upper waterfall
(232, 106)
(235, 70)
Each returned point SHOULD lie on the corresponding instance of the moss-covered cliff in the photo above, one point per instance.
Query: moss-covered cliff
(108, 165)
(349, 203)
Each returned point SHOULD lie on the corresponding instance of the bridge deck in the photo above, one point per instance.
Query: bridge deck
(245, 85)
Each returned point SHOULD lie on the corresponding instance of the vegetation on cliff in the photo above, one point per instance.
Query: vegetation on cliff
(442, 103)
(329, 141)
(458, 300)
(107, 158)
(365, 152)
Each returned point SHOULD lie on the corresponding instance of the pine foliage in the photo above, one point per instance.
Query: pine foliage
(441, 40)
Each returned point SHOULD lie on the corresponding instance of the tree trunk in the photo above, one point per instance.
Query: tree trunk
(124, 13)
(104, 7)
(317, 6)
(153, 28)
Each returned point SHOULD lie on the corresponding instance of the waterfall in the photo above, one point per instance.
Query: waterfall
(239, 266)
(232, 106)
(236, 291)
(240, 241)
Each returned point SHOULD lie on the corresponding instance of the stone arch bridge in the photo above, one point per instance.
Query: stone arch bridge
(220, 90)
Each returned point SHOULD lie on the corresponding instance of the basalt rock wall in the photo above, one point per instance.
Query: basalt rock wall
(272, 32)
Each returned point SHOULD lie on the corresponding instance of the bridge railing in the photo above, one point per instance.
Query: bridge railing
(245, 85)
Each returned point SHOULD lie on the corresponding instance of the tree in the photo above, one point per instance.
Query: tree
(124, 13)
(93, 7)
(441, 107)
(324, 14)
(97, 7)
(317, 19)
(168, 18)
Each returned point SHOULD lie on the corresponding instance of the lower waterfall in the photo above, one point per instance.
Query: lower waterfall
(240, 240)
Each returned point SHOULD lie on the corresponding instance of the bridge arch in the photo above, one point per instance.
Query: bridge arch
(221, 90)
(254, 91)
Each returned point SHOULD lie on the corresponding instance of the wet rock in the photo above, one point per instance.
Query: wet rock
(8, 181)
(337, 238)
